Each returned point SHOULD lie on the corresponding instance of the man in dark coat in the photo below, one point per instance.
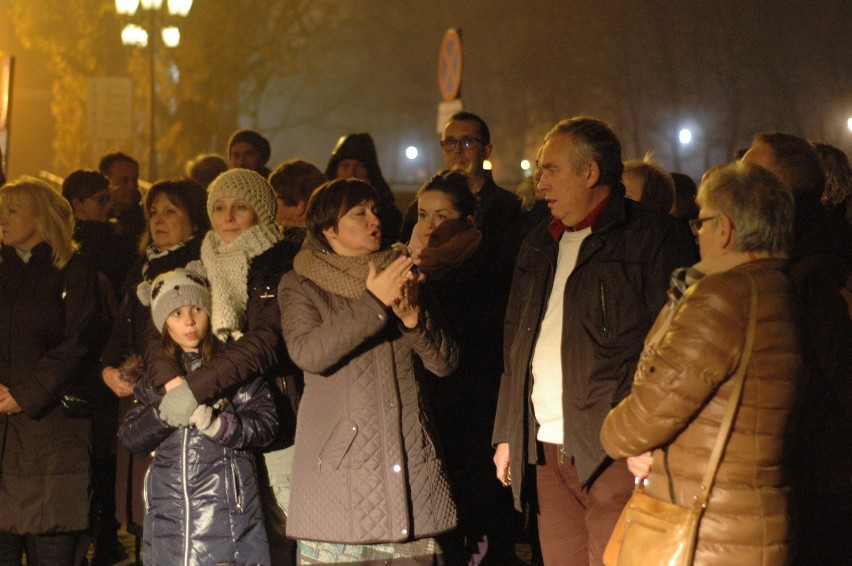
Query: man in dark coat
(587, 286)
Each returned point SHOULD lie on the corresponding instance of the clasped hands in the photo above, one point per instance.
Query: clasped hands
(397, 287)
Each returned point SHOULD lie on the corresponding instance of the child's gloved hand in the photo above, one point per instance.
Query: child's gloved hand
(202, 418)
(177, 405)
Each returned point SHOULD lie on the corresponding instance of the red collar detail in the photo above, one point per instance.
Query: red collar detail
(556, 228)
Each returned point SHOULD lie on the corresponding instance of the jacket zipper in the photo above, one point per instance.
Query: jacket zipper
(187, 526)
(604, 313)
(238, 499)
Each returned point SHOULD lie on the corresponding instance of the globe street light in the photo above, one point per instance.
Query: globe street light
(138, 36)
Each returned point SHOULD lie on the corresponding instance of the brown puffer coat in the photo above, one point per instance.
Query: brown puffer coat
(679, 397)
(366, 468)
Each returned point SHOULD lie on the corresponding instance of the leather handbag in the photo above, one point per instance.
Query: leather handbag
(651, 532)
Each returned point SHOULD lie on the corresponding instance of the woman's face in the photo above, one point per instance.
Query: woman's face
(433, 208)
(231, 217)
(188, 326)
(18, 224)
(169, 224)
(358, 232)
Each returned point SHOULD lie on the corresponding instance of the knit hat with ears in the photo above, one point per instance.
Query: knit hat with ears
(175, 289)
(246, 185)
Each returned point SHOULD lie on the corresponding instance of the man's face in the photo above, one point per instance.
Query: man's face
(469, 161)
(123, 185)
(243, 155)
(570, 195)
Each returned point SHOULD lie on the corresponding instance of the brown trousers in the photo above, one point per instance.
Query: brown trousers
(574, 522)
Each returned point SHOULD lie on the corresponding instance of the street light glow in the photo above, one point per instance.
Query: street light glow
(151, 4)
(487, 165)
(171, 36)
(134, 35)
(411, 152)
(525, 164)
(849, 124)
(685, 136)
(126, 7)
(179, 7)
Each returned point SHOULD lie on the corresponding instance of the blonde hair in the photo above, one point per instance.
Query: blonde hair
(54, 217)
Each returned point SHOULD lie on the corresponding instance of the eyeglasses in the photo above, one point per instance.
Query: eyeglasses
(696, 223)
(102, 199)
(467, 142)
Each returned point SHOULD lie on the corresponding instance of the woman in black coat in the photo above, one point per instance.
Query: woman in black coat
(48, 316)
(446, 246)
(177, 221)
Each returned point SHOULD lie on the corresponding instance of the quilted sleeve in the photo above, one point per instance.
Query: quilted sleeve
(317, 336)
(698, 352)
(439, 352)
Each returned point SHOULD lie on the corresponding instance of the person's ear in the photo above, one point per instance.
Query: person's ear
(486, 151)
(593, 173)
(330, 234)
(726, 231)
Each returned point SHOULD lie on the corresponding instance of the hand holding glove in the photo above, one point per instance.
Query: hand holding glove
(202, 418)
(177, 405)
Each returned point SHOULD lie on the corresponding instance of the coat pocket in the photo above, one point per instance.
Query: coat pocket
(338, 443)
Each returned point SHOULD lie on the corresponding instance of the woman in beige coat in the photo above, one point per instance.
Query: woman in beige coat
(667, 426)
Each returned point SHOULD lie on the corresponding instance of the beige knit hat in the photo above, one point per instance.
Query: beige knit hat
(175, 289)
(246, 185)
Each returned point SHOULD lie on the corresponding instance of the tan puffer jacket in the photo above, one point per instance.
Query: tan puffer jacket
(679, 397)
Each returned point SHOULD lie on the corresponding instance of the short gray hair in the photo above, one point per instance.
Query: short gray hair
(759, 205)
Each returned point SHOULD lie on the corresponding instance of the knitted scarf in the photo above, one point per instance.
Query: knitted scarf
(450, 245)
(342, 275)
(227, 269)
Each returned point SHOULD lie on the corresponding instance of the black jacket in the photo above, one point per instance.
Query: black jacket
(48, 321)
(611, 299)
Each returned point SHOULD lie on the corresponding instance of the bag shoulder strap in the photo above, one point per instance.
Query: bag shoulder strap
(733, 402)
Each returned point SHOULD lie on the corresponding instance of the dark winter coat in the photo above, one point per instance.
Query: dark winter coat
(366, 469)
(611, 299)
(48, 319)
(678, 401)
(201, 494)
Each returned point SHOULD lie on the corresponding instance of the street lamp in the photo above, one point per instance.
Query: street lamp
(138, 36)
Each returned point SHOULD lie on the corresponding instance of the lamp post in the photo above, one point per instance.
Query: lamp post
(139, 36)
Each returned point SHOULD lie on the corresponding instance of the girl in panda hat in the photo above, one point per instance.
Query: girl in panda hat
(201, 492)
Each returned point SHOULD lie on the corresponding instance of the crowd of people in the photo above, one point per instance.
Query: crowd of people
(264, 366)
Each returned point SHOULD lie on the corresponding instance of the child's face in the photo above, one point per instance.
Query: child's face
(188, 326)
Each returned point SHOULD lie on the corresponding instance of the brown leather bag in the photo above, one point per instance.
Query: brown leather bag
(651, 532)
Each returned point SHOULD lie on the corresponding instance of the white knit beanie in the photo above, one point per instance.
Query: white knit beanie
(246, 185)
(175, 289)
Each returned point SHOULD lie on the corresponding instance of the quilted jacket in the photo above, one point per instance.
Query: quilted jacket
(366, 468)
(201, 494)
(679, 397)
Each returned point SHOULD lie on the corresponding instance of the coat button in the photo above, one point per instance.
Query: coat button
(397, 468)
(404, 532)
(391, 404)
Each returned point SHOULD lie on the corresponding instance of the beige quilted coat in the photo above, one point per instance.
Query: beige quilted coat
(366, 468)
(679, 396)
